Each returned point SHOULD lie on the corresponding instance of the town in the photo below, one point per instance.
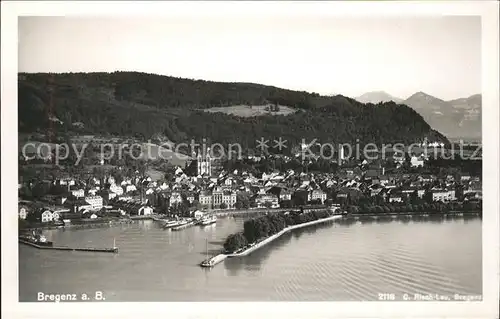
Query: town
(206, 186)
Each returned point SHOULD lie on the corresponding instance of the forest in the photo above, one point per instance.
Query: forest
(145, 105)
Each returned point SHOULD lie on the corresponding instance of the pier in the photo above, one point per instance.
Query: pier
(88, 249)
(210, 262)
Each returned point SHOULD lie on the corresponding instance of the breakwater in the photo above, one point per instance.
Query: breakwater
(221, 257)
(284, 231)
(87, 249)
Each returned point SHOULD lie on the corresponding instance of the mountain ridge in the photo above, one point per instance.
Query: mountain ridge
(134, 103)
(460, 117)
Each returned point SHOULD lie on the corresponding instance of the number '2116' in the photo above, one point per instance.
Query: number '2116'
(386, 296)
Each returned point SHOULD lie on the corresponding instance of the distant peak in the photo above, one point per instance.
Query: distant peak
(423, 95)
(376, 97)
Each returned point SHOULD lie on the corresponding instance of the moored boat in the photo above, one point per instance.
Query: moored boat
(37, 239)
(209, 220)
(171, 223)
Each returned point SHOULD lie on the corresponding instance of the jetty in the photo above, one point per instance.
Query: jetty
(210, 262)
(284, 231)
(66, 248)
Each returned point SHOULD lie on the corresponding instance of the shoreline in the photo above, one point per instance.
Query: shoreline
(444, 213)
(114, 222)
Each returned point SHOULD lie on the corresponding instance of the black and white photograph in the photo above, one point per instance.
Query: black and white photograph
(256, 152)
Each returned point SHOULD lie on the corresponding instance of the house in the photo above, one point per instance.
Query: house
(217, 195)
(396, 198)
(285, 195)
(145, 210)
(465, 178)
(205, 199)
(78, 193)
(229, 198)
(46, 216)
(23, 212)
(130, 188)
(95, 202)
(229, 181)
(175, 198)
(410, 190)
(315, 195)
(267, 201)
(417, 161)
(190, 197)
(118, 190)
(443, 195)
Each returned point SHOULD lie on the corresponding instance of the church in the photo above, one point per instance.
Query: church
(203, 163)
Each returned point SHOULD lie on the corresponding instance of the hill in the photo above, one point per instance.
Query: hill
(144, 105)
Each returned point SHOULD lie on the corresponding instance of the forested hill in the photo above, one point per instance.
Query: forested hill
(139, 104)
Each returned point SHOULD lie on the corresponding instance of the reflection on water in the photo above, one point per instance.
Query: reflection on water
(349, 259)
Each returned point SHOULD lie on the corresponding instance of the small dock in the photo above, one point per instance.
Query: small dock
(88, 249)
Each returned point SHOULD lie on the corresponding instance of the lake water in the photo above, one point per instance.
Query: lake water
(333, 262)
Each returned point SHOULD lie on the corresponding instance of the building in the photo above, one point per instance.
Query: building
(23, 212)
(229, 199)
(95, 202)
(443, 195)
(285, 195)
(315, 195)
(217, 197)
(130, 188)
(46, 216)
(145, 211)
(204, 164)
(205, 199)
(78, 193)
(175, 199)
(118, 190)
(417, 161)
(395, 198)
(267, 201)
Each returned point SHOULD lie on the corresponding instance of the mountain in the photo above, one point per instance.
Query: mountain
(460, 118)
(145, 105)
(376, 97)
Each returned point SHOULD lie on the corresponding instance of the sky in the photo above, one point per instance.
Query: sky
(438, 55)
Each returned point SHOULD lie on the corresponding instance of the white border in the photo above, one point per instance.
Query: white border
(488, 10)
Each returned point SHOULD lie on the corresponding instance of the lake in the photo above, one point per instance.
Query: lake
(338, 261)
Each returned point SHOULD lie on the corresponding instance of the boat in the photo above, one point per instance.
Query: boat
(171, 223)
(208, 262)
(183, 224)
(209, 220)
(36, 239)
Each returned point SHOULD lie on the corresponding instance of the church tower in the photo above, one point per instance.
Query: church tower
(204, 163)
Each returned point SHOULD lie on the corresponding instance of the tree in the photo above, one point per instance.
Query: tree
(223, 206)
(235, 242)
